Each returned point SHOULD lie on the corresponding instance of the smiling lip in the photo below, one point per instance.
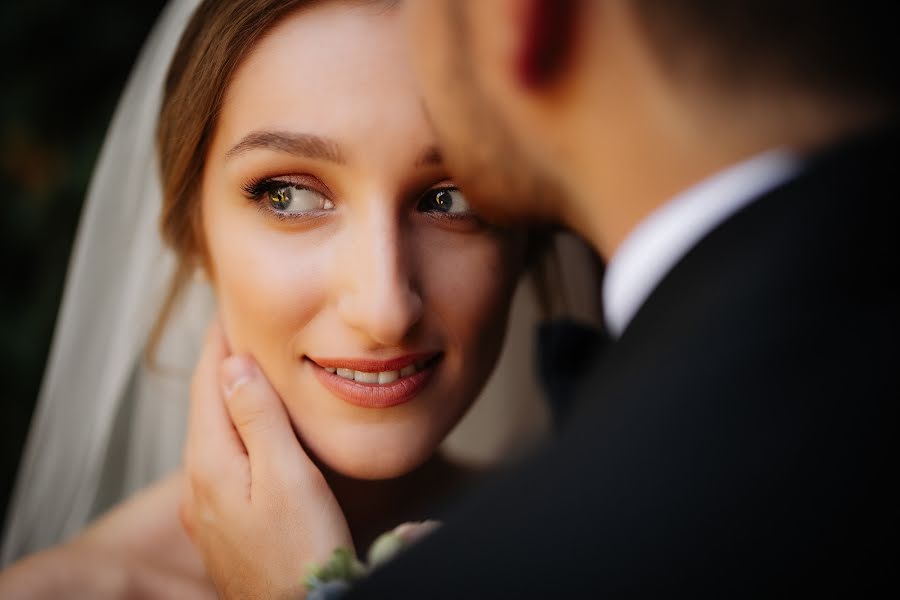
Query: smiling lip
(374, 395)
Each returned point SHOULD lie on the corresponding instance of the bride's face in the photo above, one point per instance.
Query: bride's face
(343, 258)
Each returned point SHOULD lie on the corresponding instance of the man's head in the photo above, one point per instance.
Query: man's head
(593, 112)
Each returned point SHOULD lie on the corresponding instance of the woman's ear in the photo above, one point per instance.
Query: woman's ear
(546, 40)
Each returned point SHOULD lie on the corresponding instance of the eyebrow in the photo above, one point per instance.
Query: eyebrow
(430, 157)
(300, 144)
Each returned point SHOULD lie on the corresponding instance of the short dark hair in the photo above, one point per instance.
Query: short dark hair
(840, 48)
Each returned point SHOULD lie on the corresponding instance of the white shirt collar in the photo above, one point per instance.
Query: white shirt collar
(666, 235)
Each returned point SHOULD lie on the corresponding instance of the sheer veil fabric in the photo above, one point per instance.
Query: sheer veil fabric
(108, 423)
(116, 283)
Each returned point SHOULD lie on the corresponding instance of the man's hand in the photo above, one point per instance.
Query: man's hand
(256, 506)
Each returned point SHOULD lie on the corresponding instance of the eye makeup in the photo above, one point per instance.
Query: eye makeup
(256, 188)
(289, 198)
(278, 197)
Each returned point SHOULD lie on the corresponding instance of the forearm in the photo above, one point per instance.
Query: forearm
(66, 571)
(146, 530)
(137, 550)
(79, 570)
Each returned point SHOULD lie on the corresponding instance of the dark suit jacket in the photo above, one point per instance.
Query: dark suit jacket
(738, 440)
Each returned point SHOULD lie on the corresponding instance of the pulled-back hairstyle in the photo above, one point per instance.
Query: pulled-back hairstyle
(218, 36)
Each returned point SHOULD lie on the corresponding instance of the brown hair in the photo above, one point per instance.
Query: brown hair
(218, 37)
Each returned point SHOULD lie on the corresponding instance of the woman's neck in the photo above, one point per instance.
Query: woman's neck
(373, 507)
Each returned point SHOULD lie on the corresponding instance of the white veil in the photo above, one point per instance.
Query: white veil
(106, 423)
(115, 286)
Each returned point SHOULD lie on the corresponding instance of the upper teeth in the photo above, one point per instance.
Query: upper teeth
(379, 377)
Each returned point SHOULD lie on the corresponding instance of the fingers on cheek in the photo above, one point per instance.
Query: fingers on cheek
(201, 512)
(288, 469)
(292, 482)
(215, 481)
(186, 518)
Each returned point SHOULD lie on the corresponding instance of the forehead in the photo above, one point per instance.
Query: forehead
(334, 69)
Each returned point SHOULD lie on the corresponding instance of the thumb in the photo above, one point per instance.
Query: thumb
(262, 422)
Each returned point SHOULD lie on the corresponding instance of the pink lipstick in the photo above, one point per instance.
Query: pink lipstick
(371, 383)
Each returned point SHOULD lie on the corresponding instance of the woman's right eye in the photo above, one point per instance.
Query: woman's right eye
(447, 201)
(286, 198)
(296, 199)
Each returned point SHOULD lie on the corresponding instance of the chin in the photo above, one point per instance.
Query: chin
(371, 452)
(364, 468)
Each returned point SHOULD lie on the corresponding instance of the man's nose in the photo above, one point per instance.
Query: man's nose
(380, 298)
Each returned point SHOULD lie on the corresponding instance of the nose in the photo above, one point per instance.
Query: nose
(380, 299)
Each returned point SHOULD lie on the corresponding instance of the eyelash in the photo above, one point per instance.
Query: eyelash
(256, 189)
(439, 215)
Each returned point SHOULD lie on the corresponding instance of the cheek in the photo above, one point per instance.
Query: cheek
(468, 282)
(269, 284)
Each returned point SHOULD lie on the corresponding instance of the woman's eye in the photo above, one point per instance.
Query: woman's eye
(445, 200)
(295, 199)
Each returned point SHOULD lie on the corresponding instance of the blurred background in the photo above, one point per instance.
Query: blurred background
(64, 65)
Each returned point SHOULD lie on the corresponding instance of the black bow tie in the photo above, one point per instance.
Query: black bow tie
(565, 351)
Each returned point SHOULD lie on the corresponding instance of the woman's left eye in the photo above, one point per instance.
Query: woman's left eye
(449, 201)
(296, 199)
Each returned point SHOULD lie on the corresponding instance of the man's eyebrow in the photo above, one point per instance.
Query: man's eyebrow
(300, 144)
(430, 157)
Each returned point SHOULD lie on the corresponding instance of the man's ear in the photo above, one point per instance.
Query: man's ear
(546, 40)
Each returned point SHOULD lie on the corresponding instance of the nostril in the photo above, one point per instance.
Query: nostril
(384, 319)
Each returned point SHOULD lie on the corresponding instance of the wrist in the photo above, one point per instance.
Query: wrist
(332, 579)
(62, 571)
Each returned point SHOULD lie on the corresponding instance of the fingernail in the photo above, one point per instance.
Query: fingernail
(236, 371)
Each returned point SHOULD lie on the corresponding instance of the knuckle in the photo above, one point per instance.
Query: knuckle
(186, 518)
(214, 479)
(201, 476)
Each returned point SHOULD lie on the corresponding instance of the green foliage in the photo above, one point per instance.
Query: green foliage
(342, 566)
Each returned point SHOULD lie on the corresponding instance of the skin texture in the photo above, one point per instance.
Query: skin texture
(596, 145)
(612, 134)
(465, 117)
(371, 273)
(377, 276)
(256, 506)
(137, 550)
(374, 277)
